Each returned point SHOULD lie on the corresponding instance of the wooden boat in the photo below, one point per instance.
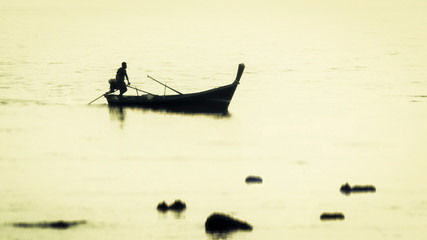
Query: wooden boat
(215, 100)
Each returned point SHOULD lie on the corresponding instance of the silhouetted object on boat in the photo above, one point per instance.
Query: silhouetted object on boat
(119, 82)
(332, 216)
(253, 179)
(219, 222)
(214, 100)
(347, 189)
(176, 206)
(54, 225)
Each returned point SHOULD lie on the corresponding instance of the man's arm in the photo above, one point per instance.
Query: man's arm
(126, 75)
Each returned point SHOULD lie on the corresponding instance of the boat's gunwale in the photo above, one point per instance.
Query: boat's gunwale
(166, 97)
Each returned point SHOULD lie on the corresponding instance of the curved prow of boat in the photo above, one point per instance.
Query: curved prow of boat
(239, 73)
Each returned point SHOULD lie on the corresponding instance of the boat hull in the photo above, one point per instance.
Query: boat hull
(214, 100)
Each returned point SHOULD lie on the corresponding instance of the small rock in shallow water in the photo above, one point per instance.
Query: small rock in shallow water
(253, 179)
(219, 222)
(162, 206)
(332, 216)
(177, 206)
(55, 225)
(347, 189)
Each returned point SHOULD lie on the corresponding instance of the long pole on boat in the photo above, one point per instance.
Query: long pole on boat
(164, 85)
(137, 89)
(100, 97)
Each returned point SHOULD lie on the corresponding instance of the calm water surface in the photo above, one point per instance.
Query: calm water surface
(332, 93)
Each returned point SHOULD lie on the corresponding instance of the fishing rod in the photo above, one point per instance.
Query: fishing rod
(164, 85)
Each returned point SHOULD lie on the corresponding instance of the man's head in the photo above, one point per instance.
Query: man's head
(124, 65)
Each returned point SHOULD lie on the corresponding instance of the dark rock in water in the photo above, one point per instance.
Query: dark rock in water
(253, 179)
(177, 206)
(60, 224)
(367, 188)
(218, 222)
(347, 189)
(54, 225)
(332, 216)
(162, 206)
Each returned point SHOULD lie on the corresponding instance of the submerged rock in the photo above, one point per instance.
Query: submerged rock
(347, 189)
(162, 206)
(177, 206)
(54, 225)
(332, 216)
(219, 222)
(253, 179)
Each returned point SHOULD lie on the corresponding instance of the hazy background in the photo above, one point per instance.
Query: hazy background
(333, 91)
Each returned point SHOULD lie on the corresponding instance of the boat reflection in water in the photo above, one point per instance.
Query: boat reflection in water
(118, 113)
(213, 101)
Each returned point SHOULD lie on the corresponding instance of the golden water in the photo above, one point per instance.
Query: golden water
(333, 92)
